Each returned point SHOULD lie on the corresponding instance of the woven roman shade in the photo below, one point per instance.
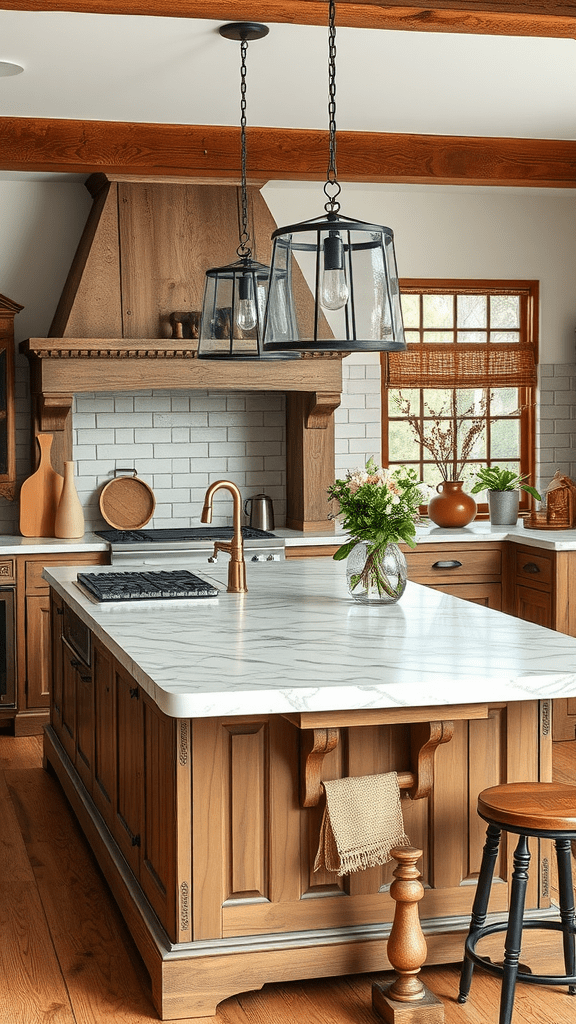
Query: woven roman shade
(462, 366)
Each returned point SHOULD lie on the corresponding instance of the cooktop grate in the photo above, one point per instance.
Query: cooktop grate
(180, 534)
(145, 586)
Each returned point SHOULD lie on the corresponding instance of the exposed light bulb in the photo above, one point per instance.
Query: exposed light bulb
(246, 316)
(334, 289)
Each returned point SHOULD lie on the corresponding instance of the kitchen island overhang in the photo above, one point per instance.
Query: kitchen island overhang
(182, 746)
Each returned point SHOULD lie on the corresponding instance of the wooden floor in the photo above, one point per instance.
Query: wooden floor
(66, 957)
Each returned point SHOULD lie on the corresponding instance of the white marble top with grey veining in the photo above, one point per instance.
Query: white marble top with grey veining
(297, 642)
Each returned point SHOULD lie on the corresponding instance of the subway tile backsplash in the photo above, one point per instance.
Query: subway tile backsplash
(180, 442)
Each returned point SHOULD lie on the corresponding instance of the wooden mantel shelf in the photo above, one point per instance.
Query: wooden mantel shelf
(62, 367)
(119, 364)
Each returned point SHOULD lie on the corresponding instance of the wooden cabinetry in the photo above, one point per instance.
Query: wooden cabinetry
(33, 633)
(199, 828)
(470, 571)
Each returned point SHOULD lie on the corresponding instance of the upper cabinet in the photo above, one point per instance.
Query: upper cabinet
(8, 310)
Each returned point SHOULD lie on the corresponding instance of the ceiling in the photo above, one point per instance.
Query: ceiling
(181, 71)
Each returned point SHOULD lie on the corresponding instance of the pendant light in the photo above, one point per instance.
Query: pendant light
(235, 295)
(351, 301)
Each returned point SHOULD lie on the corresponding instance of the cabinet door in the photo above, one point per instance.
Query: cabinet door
(534, 605)
(38, 651)
(129, 797)
(56, 663)
(84, 754)
(68, 730)
(104, 781)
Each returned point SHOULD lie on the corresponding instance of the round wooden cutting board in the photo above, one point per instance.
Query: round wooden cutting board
(127, 502)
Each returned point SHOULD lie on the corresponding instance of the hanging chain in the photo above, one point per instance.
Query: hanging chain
(243, 250)
(332, 187)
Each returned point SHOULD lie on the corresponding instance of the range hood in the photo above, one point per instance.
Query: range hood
(141, 259)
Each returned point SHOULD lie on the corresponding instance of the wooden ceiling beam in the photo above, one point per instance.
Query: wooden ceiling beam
(205, 152)
(546, 18)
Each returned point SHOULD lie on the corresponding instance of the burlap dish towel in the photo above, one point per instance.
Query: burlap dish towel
(362, 822)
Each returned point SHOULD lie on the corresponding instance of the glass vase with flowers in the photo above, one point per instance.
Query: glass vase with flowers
(377, 508)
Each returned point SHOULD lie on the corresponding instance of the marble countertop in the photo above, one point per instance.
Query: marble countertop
(14, 544)
(297, 642)
(555, 540)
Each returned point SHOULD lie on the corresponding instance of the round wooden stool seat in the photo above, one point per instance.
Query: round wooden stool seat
(530, 806)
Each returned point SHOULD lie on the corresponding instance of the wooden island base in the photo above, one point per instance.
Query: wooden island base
(201, 831)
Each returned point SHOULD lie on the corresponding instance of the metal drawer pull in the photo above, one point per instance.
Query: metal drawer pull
(453, 564)
(530, 567)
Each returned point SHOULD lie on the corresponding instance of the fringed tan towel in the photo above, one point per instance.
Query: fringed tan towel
(362, 822)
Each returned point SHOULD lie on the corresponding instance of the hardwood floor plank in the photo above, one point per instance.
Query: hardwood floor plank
(20, 751)
(31, 984)
(14, 863)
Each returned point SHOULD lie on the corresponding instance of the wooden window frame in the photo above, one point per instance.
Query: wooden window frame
(529, 307)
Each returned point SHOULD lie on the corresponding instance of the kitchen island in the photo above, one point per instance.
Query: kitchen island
(190, 738)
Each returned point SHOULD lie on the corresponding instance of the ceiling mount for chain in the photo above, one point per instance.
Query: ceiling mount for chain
(243, 31)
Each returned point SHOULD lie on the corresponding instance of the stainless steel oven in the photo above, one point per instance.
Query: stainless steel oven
(7, 648)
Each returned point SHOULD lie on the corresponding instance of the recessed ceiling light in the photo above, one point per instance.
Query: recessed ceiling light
(7, 69)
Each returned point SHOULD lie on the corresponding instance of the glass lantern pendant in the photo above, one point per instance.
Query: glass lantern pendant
(232, 319)
(334, 278)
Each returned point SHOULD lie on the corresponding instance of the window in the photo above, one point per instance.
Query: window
(469, 373)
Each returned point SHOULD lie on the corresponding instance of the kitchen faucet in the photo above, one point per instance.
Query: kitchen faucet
(235, 547)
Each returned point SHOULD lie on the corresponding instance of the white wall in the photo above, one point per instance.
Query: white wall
(179, 443)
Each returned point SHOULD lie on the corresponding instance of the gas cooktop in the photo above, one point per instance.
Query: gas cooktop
(145, 586)
(180, 534)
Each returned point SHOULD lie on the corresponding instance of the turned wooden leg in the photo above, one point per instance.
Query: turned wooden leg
(405, 998)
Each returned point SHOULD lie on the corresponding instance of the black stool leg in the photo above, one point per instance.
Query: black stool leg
(514, 933)
(480, 905)
(567, 912)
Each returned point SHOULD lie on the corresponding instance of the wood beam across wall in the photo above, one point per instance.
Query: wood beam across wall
(207, 152)
(552, 18)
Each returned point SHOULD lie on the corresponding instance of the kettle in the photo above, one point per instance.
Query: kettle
(260, 513)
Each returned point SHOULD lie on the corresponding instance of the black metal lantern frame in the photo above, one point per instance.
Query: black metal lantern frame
(351, 297)
(231, 324)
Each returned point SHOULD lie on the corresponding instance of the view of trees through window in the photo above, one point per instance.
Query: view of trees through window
(448, 432)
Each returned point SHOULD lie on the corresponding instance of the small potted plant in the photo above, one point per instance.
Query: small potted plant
(503, 487)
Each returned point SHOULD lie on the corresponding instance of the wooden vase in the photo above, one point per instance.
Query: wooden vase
(69, 514)
(451, 507)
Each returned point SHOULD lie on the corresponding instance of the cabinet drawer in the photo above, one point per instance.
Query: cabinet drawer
(35, 584)
(533, 566)
(487, 594)
(7, 571)
(449, 562)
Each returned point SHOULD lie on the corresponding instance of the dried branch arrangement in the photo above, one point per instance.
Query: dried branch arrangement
(447, 434)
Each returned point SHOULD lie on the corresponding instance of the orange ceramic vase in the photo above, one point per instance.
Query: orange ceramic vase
(451, 507)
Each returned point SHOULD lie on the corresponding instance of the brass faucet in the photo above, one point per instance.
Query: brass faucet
(235, 547)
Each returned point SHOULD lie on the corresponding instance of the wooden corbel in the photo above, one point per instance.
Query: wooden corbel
(53, 411)
(321, 406)
(425, 738)
(314, 745)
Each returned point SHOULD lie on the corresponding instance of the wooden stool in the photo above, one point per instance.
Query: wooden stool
(544, 810)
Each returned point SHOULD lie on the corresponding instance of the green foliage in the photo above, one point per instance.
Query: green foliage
(495, 478)
(378, 506)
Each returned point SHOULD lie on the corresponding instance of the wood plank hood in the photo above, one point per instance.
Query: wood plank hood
(143, 256)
